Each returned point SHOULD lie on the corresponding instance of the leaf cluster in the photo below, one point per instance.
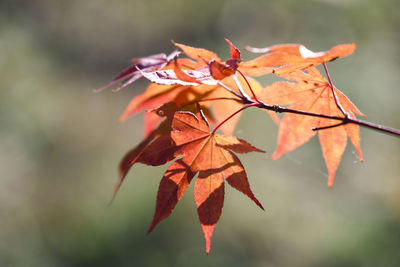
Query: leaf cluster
(194, 94)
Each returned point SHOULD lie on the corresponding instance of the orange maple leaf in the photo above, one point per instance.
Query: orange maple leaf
(312, 93)
(292, 57)
(197, 150)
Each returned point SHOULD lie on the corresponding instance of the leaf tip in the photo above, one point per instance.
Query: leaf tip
(111, 200)
(260, 205)
(208, 231)
(330, 182)
(235, 53)
(121, 178)
(151, 228)
(275, 156)
(123, 117)
(156, 220)
(113, 195)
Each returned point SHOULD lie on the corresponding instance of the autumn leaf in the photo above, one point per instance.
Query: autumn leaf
(187, 79)
(179, 86)
(218, 69)
(132, 73)
(182, 75)
(156, 95)
(292, 57)
(177, 129)
(311, 92)
(170, 77)
(165, 111)
(196, 150)
(199, 54)
(221, 70)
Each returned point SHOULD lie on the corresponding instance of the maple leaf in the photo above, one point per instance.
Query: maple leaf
(208, 69)
(218, 69)
(198, 54)
(166, 111)
(311, 92)
(196, 150)
(293, 57)
(183, 86)
(170, 77)
(132, 73)
(183, 82)
(156, 95)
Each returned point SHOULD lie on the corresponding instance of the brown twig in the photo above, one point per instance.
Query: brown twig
(344, 120)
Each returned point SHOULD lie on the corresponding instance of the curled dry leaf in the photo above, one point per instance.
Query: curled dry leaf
(132, 73)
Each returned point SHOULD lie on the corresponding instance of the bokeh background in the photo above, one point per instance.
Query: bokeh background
(60, 143)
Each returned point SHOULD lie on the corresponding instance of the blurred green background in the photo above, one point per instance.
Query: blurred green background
(60, 143)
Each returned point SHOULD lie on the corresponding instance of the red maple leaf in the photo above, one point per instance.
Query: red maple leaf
(220, 70)
(196, 150)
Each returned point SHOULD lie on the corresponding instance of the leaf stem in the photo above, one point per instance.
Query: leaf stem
(233, 114)
(340, 107)
(239, 86)
(212, 99)
(248, 84)
(229, 89)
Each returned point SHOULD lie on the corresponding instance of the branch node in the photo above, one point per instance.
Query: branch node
(276, 108)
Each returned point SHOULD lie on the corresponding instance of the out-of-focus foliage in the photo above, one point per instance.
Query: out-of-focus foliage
(60, 143)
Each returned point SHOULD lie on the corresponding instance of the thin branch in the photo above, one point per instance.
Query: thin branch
(276, 108)
(375, 126)
(344, 120)
(329, 126)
